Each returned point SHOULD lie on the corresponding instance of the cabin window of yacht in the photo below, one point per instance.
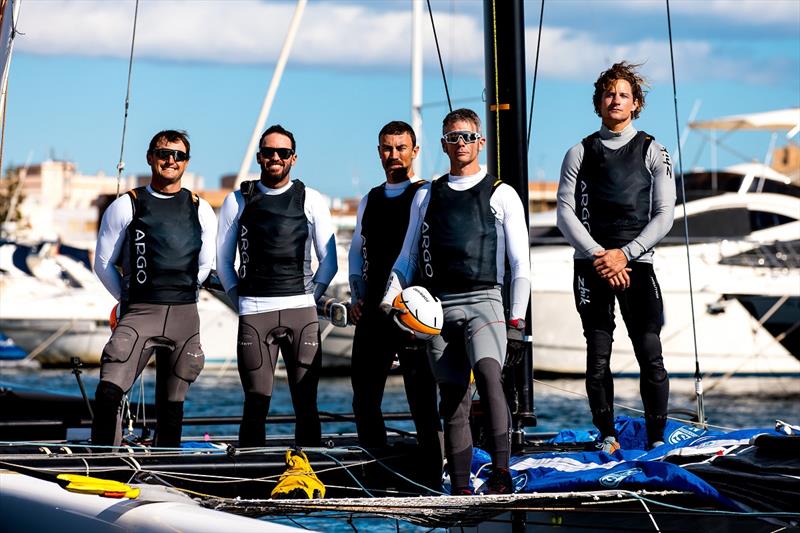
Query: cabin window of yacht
(712, 225)
(735, 222)
(762, 220)
(775, 187)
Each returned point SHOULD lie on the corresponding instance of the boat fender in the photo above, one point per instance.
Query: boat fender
(92, 485)
(299, 480)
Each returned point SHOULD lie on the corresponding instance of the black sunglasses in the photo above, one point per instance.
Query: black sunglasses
(452, 137)
(165, 153)
(283, 153)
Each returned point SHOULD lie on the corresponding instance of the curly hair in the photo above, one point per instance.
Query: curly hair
(621, 71)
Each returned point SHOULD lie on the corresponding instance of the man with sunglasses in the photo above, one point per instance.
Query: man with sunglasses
(616, 199)
(274, 222)
(456, 246)
(381, 223)
(163, 238)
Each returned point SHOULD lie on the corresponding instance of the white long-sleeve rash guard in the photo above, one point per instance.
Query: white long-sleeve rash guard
(320, 234)
(113, 230)
(512, 240)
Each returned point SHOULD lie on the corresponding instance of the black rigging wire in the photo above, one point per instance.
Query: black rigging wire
(697, 377)
(535, 72)
(439, 53)
(121, 164)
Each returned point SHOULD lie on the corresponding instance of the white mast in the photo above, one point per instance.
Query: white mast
(416, 77)
(273, 88)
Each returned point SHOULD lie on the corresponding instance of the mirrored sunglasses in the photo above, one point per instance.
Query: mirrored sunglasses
(283, 153)
(165, 153)
(469, 137)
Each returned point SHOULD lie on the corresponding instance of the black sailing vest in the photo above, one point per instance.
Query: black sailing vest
(383, 228)
(458, 243)
(273, 230)
(164, 240)
(613, 190)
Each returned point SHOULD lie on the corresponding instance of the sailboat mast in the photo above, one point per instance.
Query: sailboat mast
(507, 155)
(247, 161)
(416, 77)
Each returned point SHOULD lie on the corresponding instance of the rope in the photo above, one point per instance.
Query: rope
(496, 86)
(535, 72)
(439, 53)
(121, 164)
(701, 416)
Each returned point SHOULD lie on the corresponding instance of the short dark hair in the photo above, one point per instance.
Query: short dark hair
(277, 128)
(464, 114)
(170, 136)
(620, 71)
(398, 127)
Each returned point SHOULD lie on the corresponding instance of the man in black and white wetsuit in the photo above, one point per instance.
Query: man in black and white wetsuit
(616, 199)
(274, 222)
(163, 236)
(381, 224)
(466, 225)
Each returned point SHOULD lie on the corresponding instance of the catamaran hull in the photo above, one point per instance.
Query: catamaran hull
(30, 504)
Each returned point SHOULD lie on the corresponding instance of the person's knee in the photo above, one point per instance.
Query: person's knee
(598, 343)
(648, 346)
(452, 406)
(488, 369)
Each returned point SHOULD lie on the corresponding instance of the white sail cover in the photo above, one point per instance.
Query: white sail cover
(781, 120)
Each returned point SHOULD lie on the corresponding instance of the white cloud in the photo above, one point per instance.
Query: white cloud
(352, 36)
(749, 12)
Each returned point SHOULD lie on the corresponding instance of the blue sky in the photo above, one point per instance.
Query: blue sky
(204, 66)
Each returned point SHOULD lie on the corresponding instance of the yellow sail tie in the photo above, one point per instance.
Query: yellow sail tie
(299, 480)
(93, 485)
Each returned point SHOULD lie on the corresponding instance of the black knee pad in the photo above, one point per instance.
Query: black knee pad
(451, 406)
(599, 343)
(108, 395)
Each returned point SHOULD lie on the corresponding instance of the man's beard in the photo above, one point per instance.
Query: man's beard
(398, 173)
(270, 178)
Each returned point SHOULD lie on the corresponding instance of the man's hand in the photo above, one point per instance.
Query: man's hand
(355, 311)
(621, 280)
(515, 347)
(393, 313)
(609, 263)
